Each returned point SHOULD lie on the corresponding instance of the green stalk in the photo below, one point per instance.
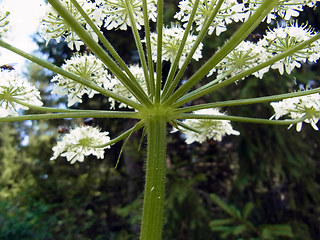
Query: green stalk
(106, 43)
(159, 49)
(148, 44)
(48, 109)
(69, 75)
(139, 47)
(84, 114)
(99, 52)
(121, 136)
(154, 191)
(207, 89)
(244, 30)
(241, 102)
(241, 119)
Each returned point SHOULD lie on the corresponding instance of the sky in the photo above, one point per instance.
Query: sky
(24, 19)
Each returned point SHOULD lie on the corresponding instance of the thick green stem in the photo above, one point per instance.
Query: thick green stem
(154, 191)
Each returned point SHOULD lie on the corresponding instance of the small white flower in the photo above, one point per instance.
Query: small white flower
(117, 87)
(245, 56)
(171, 39)
(281, 39)
(13, 86)
(117, 13)
(81, 142)
(298, 107)
(209, 128)
(86, 66)
(54, 27)
(230, 11)
(3, 21)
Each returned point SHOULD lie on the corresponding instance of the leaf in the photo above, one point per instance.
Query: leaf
(220, 222)
(266, 234)
(279, 230)
(247, 209)
(221, 228)
(239, 229)
(231, 210)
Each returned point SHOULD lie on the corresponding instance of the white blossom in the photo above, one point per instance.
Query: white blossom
(209, 128)
(245, 56)
(53, 25)
(281, 39)
(298, 107)
(230, 11)
(171, 41)
(117, 14)
(81, 142)
(118, 88)
(14, 87)
(89, 68)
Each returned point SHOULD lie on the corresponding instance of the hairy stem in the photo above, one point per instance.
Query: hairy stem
(154, 190)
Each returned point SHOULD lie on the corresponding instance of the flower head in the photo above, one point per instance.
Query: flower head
(245, 56)
(117, 87)
(81, 142)
(172, 38)
(281, 39)
(14, 87)
(208, 128)
(230, 11)
(54, 27)
(117, 13)
(298, 107)
(86, 66)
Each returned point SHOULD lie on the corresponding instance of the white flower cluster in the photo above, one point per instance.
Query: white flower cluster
(245, 56)
(14, 87)
(281, 39)
(171, 39)
(117, 14)
(54, 27)
(209, 128)
(230, 11)
(298, 107)
(89, 67)
(3, 21)
(117, 87)
(81, 142)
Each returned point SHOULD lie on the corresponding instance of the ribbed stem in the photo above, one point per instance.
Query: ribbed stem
(155, 180)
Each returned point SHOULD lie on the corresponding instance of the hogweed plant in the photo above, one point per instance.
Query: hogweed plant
(145, 93)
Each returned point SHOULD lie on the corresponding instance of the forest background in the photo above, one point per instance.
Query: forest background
(269, 174)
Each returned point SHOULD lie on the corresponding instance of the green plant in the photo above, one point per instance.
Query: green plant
(158, 99)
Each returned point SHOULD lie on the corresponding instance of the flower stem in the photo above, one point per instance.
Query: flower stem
(138, 42)
(242, 119)
(78, 114)
(241, 102)
(154, 191)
